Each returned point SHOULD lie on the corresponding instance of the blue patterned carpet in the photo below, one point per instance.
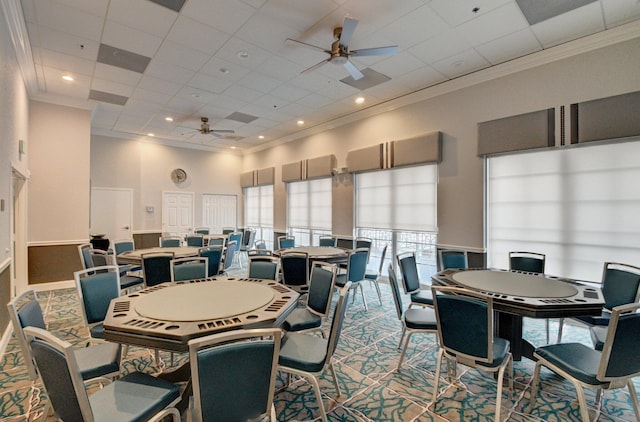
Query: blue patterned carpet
(365, 361)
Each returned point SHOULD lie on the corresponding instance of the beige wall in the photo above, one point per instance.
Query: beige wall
(59, 162)
(600, 73)
(146, 167)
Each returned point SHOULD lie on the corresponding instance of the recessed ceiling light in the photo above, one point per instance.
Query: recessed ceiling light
(169, 119)
(360, 100)
(67, 78)
(261, 137)
(243, 55)
(300, 122)
(150, 134)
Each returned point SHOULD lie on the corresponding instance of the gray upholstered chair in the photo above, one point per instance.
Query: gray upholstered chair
(134, 397)
(411, 280)
(235, 237)
(466, 336)
(196, 240)
(295, 270)
(85, 250)
(123, 245)
(214, 257)
(620, 286)
(228, 230)
(363, 242)
(263, 266)
(156, 267)
(128, 280)
(613, 367)
(374, 277)
(328, 241)
(217, 241)
(229, 255)
(260, 244)
(286, 242)
(356, 269)
(307, 355)
(96, 287)
(170, 242)
(101, 360)
(201, 230)
(452, 258)
(234, 375)
(530, 262)
(420, 320)
(192, 268)
(321, 285)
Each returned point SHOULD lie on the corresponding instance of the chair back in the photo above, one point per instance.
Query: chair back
(235, 237)
(265, 267)
(620, 284)
(95, 290)
(337, 321)
(196, 240)
(357, 265)
(85, 250)
(248, 237)
(363, 242)
(101, 258)
(192, 268)
(156, 268)
(259, 252)
(286, 242)
(216, 241)
(465, 323)
(260, 244)
(451, 258)
(214, 256)
(230, 253)
(295, 269)
(60, 374)
(531, 262)
(323, 280)
(201, 230)
(234, 374)
(395, 291)
(228, 230)
(123, 245)
(409, 271)
(620, 357)
(328, 241)
(382, 258)
(170, 242)
(25, 311)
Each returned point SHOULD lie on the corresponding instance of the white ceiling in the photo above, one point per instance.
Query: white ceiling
(437, 40)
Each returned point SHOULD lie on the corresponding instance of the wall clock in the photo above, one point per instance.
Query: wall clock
(178, 176)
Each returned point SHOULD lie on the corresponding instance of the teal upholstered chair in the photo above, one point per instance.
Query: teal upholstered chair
(229, 256)
(85, 250)
(235, 237)
(295, 270)
(466, 336)
(363, 242)
(321, 285)
(248, 239)
(170, 242)
(128, 281)
(420, 320)
(260, 244)
(613, 367)
(214, 257)
(217, 241)
(530, 262)
(374, 277)
(452, 258)
(228, 230)
(193, 268)
(196, 240)
(123, 245)
(156, 267)
(96, 287)
(620, 286)
(328, 241)
(411, 280)
(234, 375)
(307, 355)
(101, 360)
(356, 269)
(134, 397)
(262, 266)
(286, 242)
(201, 230)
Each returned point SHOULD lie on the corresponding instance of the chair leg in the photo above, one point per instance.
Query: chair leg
(404, 349)
(546, 321)
(534, 386)
(582, 401)
(560, 326)
(364, 300)
(377, 286)
(436, 383)
(500, 381)
(634, 398)
(404, 330)
(335, 378)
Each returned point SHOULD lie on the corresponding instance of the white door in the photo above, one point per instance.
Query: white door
(177, 213)
(112, 213)
(219, 211)
(20, 273)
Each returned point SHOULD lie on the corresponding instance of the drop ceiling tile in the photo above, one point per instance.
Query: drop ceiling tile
(111, 87)
(197, 95)
(446, 44)
(115, 74)
(29, 11)
(413, 28)
(510, 47)
(266, 32)
(142, 110)
(74, 65)
(127, 38)
(315, 100)
(181, 55)
(254, 3)
(243, 93)
(104, 119)
(260, 82)
(143, 15)
(337, 90)
(401, 63)
(197, 35)
(391, 89)
(107, 97)
(66, 43)
(94, 7)
(461, 64)
(298, 14)
(280, 68)
(230, 52)
(150, 83)
(420, 78)
(378, 13)
(617, 12)
(216, 67)
(224, 15)
(569, 26)
(290, 93)
(79, 88)
(69, 19)
(209, 83)
(169, 72)
(150, 96)
(492, 25)
(270, 102)
(255, 110)
(455, 12)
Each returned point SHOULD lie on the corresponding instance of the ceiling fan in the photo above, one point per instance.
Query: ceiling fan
(206, 130)
(340, 53)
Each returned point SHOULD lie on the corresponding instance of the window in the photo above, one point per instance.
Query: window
(258, 212)
(309, 210)
(579, 206)
(398, 207)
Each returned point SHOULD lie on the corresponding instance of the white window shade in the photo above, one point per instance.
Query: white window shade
(309, 204)
(398, 199)
(579, 206)
(259, 206)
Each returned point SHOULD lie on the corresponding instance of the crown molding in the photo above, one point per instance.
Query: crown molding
(12, 11)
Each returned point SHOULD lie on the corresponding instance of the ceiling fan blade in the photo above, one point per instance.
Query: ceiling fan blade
(355, 73)
(348, 26)
(304, 44)
(377, 51)
(315, 66)
(223, 130)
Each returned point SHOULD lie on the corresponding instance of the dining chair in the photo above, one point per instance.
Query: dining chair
(214, 257)
(100, 360)
(128, 279)
(265, 267)
(85, 250)
(216, 241)
(248, 239)
(96, 287)
(260, 244)
(201, 230)
(259, 252)
(235, 237)
(466, 337)
(234, 375)
(123, 245)
(530, 262)
(156, 267)
(318, 305)
(196, 240)
(420, 320)
(328, 241)
(134, 397)
(228, 230)
(191, 268)
(229, 256)
(356, 269)
(307, 355)
(620, 285)
(363, 242)
(452, 258)
(375, 277)
(411, 280)
(286, 242)
(612, 368)
(170, 242)
(295, 270)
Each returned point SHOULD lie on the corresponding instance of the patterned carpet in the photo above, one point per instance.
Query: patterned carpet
(366, 360)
